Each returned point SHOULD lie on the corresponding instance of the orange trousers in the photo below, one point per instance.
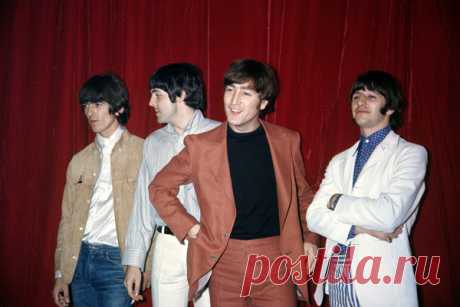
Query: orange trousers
(228, 275)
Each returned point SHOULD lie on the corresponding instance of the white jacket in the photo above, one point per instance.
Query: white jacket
(386, 195)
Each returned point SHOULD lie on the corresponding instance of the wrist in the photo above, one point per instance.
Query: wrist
(57, 274)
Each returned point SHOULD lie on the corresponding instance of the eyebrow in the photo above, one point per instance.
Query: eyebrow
(245, 87)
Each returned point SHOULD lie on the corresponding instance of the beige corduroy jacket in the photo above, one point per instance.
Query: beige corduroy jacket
(82, 173)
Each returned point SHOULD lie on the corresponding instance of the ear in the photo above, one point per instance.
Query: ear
(389, 112)
(181, 98)
(263, 104)
(120, 111)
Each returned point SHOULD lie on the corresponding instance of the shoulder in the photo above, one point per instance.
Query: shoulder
(343, 155)
(287, 136)
(207, 124)
(405, 147)
(134, 142)
(277, 130)
(80, 160)
(217, 133)
(83, 155)
(156, 139)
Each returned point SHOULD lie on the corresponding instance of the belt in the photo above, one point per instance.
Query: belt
(165, 230)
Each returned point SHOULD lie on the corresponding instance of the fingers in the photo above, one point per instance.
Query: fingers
(398, 231)
(395, 233)
(61, 294)
(192, 236)
(56, 296)
(193, 232)
(66, 295)
(310, 250)
(311, 264)
(129, 284)
(132, 282)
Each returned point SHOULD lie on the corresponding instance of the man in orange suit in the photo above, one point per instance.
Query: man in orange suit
(250, 184)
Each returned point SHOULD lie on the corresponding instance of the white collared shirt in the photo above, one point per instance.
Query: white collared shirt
(159, 148)
(100, 226)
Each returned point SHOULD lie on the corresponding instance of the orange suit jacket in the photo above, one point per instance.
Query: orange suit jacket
(204, 162)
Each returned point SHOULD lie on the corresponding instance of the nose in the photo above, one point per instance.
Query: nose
(235, 99)
(152, 101)
(89, 109)
(362, 99)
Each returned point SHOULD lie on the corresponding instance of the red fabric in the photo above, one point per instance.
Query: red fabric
(49, 47)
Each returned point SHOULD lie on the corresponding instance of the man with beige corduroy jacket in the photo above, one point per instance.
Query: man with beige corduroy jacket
(97, 201)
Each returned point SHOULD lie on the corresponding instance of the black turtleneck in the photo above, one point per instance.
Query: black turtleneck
(254, 185)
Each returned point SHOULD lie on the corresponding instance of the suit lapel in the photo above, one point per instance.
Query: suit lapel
(281, 165)
(378, 155)
(349, 168)
(222, 170)
(283, 170)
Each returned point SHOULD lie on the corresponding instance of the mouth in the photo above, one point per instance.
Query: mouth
(235, 111)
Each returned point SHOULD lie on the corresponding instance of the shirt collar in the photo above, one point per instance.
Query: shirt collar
(375, 138)
(105, 145)
(191, 126)
(372, 140)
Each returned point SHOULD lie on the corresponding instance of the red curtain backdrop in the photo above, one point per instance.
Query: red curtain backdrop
(49, 47)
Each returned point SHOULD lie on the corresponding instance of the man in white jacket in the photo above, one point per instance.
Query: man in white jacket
(367, 204)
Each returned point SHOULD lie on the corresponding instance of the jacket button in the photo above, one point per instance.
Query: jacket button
(74, 257)
(81, 228)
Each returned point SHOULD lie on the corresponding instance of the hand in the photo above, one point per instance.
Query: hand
(310, 250)
(133, 282)
(384, 236)
(193, 232)
(146, 280)
(61, 293)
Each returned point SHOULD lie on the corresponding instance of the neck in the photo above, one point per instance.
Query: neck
(184, 116)
(109, 132)
(245, 129)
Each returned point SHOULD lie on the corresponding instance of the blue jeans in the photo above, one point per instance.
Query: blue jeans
(98, 278)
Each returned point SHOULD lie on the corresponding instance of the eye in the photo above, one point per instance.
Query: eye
(228, 89)
(371, 97)
(247, 93)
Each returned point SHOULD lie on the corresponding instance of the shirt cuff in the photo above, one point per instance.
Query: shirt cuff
(135, 258)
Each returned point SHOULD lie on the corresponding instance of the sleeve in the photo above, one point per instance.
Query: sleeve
(65, 222)
(320, 219)
(164, 188)
(304, 193)
(393, 206)
(141, 226)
